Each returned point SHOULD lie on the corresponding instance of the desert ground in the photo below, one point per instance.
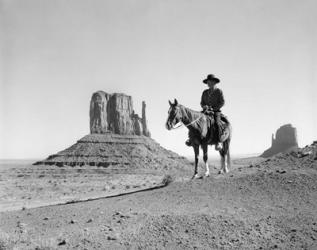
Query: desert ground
(28, 186)
(260, 204)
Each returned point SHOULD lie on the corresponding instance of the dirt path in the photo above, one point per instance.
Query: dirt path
(250, 208)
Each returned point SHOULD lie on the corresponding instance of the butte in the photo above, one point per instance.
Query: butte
(119, 138)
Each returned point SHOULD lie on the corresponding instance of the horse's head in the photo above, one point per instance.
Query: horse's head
(174, 115)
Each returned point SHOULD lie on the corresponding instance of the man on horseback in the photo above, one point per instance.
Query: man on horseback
(212, 101)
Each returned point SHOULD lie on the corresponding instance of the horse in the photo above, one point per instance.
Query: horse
(202, 133)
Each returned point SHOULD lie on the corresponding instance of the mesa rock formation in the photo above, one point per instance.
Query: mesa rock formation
(114, 113)
(285, 139)
(118, 138)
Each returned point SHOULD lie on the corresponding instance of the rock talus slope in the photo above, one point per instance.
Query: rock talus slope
(119, 151)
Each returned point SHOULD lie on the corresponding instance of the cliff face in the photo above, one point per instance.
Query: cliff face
(113, 113)
(98, 112)
(119, 110)
(285, 139)
(145, 129)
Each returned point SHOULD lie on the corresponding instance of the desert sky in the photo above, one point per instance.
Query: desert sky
(55, 54)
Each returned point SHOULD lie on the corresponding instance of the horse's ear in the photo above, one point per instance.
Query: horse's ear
(170, 103)
(175, 102)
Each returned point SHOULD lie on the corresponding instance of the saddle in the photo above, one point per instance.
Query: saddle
(223, 128)
(210, 112)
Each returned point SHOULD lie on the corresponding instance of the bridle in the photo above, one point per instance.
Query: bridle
(182, 124)
(186, 125)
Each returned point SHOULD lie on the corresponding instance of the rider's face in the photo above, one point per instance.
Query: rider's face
(211, 84)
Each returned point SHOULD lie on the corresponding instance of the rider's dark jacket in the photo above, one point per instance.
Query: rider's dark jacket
(212, 99)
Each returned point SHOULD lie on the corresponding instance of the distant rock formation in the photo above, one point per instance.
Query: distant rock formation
(118, 138)
(113, 113)
(285, 139)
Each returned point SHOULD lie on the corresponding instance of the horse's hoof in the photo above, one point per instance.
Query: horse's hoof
(226, 170)
(218, 147)
(207, 175)
(196, 176)
(220, 172)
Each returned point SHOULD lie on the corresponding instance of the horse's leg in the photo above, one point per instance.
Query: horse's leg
(205, 151)
(222, 162)
(196, 150)
(225, 169)
(226, 156)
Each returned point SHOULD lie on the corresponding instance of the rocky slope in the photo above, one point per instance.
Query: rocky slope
(298, 157)
(117, 151)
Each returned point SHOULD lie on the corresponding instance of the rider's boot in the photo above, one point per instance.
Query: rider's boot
(218, 145)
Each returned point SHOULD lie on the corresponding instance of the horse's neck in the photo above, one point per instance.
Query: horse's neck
(189, 115)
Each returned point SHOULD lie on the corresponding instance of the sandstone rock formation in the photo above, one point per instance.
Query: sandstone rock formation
(137, 124)
(98, 112)
(119, 138)
(285, 139)
(114, 113)
(145, 129)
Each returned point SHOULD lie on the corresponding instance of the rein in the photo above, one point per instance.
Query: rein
(180, 125)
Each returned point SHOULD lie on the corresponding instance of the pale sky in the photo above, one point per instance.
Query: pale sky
(55, 54)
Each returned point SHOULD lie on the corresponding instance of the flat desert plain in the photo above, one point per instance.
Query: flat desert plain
(260, 204)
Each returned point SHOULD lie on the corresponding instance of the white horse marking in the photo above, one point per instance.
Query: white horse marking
(196, 176)
(207, 169)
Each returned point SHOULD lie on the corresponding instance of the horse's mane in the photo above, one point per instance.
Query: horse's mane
(190, 112)
(192, 115)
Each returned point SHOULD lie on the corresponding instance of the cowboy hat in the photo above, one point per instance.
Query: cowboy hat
(211, 77)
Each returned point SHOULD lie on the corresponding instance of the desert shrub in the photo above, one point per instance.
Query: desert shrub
(167, 179)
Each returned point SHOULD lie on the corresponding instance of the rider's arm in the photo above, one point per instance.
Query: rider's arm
(220, 100)
(203, 102)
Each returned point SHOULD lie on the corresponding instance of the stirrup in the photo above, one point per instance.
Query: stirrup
(188, 143)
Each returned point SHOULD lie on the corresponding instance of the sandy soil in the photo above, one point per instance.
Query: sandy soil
(260, 204)
(28, 186)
